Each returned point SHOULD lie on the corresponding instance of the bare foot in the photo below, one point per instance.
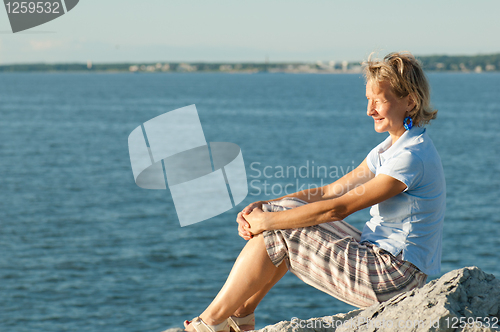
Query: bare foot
(188, 326)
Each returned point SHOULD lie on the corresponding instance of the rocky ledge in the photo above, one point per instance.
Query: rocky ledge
(461, 300)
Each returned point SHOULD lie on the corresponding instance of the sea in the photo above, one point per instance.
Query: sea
(83, 248)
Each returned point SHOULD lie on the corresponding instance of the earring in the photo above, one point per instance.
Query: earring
(408, 123)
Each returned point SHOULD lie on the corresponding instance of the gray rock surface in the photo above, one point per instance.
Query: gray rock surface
(461, 300)
(465, 300)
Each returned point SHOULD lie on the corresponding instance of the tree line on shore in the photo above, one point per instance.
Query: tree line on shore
(456, 63)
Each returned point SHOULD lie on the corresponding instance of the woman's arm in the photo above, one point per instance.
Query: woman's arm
(353, 179)
(356, 177)
(374, 191)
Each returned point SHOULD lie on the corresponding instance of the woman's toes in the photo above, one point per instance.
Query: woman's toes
(186, 325)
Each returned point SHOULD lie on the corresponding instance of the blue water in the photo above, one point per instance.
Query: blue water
(83, 248)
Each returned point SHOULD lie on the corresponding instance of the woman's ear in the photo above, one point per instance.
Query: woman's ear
(411, 103)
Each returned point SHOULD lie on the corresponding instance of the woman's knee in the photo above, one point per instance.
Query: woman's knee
(258, 240)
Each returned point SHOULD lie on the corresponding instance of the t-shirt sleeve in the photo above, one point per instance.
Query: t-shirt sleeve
(372, 160)
(405, 167)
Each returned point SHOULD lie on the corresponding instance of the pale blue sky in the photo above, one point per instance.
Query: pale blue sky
(237, 30)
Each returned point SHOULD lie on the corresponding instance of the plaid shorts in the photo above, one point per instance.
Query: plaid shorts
(330, 258)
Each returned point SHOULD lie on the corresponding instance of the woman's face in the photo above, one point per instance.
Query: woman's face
(387, 110)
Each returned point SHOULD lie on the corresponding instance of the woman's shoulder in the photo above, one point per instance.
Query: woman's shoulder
(422, 146)
(421, 154)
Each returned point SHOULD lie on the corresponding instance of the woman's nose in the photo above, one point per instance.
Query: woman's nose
(370, 109)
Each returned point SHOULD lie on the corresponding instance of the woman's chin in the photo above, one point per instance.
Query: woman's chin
(379, 129)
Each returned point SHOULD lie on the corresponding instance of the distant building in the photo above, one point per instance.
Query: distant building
(320, 64)
(225, 67)
(185, 67)
(304, 68)
(356, 69)
(345, 66)
(490, 67)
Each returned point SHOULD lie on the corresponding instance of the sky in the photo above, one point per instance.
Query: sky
(137, 31)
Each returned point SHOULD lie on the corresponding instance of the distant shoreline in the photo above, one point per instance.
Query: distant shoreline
(433, 63)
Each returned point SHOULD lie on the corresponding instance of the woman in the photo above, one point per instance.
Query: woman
(401, 179)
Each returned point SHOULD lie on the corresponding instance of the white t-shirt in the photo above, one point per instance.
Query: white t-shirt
(412, 221)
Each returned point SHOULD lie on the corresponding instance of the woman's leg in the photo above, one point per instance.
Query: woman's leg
(251, 304)
(251, 277)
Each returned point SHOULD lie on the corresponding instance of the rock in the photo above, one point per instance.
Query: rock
(465, 300)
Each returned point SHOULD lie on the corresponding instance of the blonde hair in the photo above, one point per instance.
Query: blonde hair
(406, 77)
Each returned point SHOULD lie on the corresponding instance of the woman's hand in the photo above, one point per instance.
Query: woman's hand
(257, 221)
(243, 225)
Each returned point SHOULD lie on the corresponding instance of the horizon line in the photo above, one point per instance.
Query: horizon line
(231, 61)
